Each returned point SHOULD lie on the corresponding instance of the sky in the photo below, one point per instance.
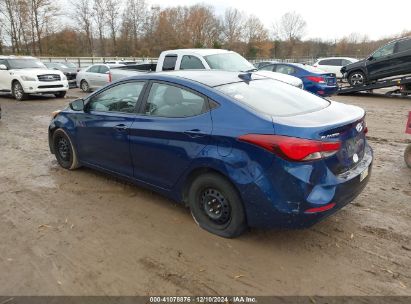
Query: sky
(326, 19)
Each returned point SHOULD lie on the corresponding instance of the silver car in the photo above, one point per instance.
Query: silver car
(94, 77)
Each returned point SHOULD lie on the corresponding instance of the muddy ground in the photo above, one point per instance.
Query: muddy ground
(85, 233)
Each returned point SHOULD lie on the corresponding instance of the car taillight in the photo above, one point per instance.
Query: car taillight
(293, 148)
(109, 77)
(317, 79)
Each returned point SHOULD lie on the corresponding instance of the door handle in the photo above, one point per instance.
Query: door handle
(195, 133)
(120, 127)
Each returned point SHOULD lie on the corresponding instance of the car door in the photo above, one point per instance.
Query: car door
(92, 76)
(103, 75)
(382, 63)
(285, 69)
(403, 55)
(103, 129)
(173, 128)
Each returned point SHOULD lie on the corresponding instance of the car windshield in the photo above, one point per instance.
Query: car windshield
(70, 65)
(274, 98)
(229, 62)
(26, 64)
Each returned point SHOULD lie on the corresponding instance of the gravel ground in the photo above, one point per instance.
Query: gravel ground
(86, 233)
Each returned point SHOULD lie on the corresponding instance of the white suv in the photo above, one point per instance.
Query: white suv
(22, 76)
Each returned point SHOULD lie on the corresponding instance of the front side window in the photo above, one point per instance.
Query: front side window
(332, 62)
(404, 45)
(121, 98)
(191, 63)
(384, 51)
(232, 62)
(274, 98)
(169, 101)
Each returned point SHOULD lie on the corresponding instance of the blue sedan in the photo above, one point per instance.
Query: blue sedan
(315, 80)
(240, 150)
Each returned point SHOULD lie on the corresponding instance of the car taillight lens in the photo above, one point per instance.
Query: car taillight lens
(109, 77)
(317, 79)
(293, 148)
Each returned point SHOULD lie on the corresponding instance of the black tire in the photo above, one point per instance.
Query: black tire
(64, 150)
(18, 91)
(216, 206)
(84, 86)
(407, 156)
(357, 78)
(61, 94)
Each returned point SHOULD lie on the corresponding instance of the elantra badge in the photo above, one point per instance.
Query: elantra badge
(359, 127)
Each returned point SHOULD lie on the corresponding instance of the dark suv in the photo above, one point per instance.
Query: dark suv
(392, 59)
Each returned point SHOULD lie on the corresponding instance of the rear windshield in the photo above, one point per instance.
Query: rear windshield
(274, 97)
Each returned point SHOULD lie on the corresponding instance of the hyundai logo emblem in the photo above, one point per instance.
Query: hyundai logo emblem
(359, 127)
(50, 77)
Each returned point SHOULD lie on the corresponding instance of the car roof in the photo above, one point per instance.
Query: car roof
(210, 78)
(325, 58)
(200, 52)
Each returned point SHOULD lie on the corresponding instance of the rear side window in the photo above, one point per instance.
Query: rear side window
(170, 101)
(103, 69)
(191, 63)
(169, 63)
(274, 98)
(384, 51)
(332, 62)
(404, 45)
(94, 69)
(285, 69)
(267, 68)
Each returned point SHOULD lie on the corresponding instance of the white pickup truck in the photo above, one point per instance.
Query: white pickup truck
(200, 59)
(22, 76)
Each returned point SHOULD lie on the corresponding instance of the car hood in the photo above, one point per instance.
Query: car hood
(294, 81)
(353, 65)
(36, 72)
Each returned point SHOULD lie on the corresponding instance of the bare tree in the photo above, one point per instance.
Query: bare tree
(83, 15)
(203, 26)
(9, 21)
(255, 30)
(99, 14)
(233, 25)
(134, 17)
(113, 18)
(291, 27)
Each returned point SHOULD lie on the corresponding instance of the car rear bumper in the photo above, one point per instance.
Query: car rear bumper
(281, 197)
(326, 90)
(32, 87)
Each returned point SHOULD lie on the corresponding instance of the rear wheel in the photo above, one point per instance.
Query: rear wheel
(357, 78)
(84, 86)
(216, 206)
(61, 94)
(64, 150)
(18, 91)
(407, 156)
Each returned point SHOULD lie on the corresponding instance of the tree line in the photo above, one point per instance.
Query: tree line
(126, 28)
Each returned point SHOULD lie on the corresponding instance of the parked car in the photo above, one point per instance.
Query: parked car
(201, 59)
(334, 64)
(260, 64)
(22, 76)
(393, 59)
(120, 62)
(315, 80)
(240, 150)
(68, 69)
(94, 77)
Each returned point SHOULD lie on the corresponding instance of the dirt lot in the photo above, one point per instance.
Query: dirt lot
(85, 233)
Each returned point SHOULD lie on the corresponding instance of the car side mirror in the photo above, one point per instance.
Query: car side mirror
(77, 105)
(3, 67)
(370, 58)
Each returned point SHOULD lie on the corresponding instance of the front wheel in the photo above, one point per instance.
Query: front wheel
(18, 91)
(64, 150)
(61, 94)
(216, 206)
(357, 78)
(407, 156)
